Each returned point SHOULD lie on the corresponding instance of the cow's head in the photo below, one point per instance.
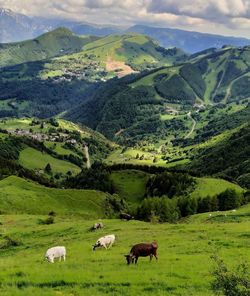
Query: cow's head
(96, 245)
(129, 258)
(49, 258)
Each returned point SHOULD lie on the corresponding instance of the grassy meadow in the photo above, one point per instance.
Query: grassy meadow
(21, 196)
(33, 159)
(184, 266)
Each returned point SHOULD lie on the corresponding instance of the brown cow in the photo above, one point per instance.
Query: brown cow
(142, 250)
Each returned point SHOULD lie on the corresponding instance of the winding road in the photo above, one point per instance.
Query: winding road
(86, 149)
(193, 126)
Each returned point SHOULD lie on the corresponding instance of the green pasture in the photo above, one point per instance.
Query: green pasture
(22, 196)
(183, 269)
(35, 160)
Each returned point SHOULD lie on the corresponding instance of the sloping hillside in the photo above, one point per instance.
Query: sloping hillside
(19, 196)
(44, 87)
(61, 41)
(230, 158)
(161, 101)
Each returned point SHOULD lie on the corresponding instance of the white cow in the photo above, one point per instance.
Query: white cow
(105, 241)
(56, 252)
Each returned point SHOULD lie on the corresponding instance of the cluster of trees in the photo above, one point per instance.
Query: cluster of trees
(170, 184)
(165, 209)
(97, 177)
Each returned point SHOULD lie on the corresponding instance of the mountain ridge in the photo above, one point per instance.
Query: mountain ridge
(189, 41)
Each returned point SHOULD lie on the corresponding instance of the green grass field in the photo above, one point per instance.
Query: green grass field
(212, 186)
(21, 196)
(184, 266)
(35, 160)
(130, 184)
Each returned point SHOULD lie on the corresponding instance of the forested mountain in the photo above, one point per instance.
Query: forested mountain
(230, 158)
(47, 87)
(136, 105)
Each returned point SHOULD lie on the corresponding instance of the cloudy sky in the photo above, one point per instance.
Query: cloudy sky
(227, 17)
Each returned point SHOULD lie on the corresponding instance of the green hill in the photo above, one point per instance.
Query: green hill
(132, 184)
(156, 104)
(19, 196)
(228, 158)
(58, 42)
(46, 63)
(32, 144)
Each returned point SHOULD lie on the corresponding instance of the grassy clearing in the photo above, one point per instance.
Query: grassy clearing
(212, 186)
(21, 196)
(183, 268)
(130, 184)
(36, 160)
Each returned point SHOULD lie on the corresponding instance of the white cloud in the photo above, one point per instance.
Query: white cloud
(214, 16)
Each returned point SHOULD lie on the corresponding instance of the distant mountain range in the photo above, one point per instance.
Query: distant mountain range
(19, 27)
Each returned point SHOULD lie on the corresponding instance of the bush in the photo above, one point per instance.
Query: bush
(230, 283)
(114, 205)
(10, 242)
(229, 199)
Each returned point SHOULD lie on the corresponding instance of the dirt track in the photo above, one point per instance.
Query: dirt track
(119, 67)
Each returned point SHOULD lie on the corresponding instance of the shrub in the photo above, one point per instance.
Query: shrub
(229, 199)
(10, 242)
(231, 283)
(114, 205)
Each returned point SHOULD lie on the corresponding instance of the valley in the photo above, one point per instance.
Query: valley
(95, 127)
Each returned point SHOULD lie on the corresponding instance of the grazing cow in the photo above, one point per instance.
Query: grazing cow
(56, 252)
(127, 217)
(142, 250)
(105, 241)
(98, 225)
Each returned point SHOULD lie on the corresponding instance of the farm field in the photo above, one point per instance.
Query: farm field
(184, 266)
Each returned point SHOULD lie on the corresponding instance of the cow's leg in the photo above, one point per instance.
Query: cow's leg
(151, 256)
(60, 258)
(156, 257)
(136, 259)
(64, 257)
(110, 245)
(105, 246)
